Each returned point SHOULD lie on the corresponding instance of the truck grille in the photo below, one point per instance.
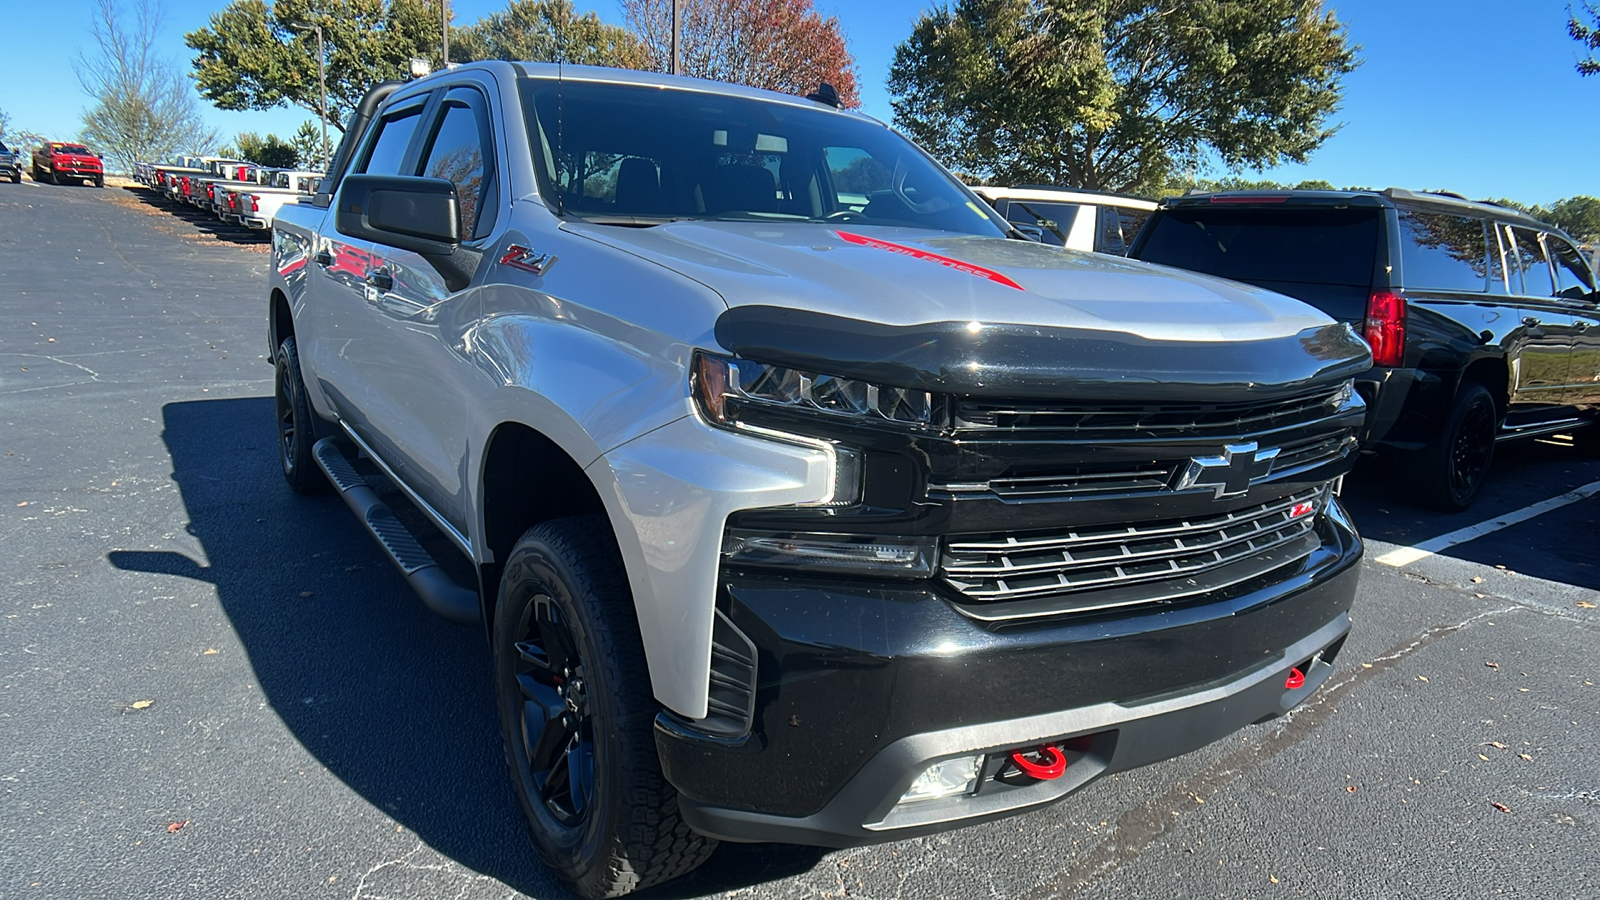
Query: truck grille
(1133, 421)
(1138, 478)
(1012, 567)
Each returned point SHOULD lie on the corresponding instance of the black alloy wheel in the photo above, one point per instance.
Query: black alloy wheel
(557, 729)
(576, 715)
(1450, 472)
(297, 430)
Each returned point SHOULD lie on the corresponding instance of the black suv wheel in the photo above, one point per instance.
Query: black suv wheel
(1449, 473)
(576, 714)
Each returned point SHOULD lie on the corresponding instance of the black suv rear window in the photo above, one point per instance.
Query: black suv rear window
(1442, 252)
(1305, 246)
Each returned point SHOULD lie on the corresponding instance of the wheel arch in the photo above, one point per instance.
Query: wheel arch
(280, 321)
(525, 478)
(1494, 375)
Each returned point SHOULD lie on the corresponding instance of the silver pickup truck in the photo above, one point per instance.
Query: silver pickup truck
(799, 498)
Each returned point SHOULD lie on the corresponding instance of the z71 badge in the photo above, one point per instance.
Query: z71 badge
(520, 257)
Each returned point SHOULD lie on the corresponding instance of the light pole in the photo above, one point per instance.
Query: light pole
(677, 69)
(444, 29)
(322, 88)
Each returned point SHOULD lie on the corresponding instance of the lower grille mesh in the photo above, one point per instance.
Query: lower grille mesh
(1014, 568)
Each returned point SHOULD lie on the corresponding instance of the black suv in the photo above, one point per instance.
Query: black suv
(1482, 320)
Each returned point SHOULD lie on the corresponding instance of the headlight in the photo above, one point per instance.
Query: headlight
(723, 385)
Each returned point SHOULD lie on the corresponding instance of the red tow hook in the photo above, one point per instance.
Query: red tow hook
(1053, 766)
(1295, 681)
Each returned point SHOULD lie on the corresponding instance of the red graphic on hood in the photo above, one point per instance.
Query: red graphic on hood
(913, 252)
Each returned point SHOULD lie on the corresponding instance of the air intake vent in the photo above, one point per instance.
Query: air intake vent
(732, 704)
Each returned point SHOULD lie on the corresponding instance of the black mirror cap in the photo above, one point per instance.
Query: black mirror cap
(417, 214)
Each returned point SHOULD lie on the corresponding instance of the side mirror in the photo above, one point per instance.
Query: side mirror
(422, 215)
(417, 214)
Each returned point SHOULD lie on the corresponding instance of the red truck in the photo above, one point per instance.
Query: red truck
(58, 163)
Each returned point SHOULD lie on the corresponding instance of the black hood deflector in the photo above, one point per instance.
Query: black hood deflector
(1006, 360)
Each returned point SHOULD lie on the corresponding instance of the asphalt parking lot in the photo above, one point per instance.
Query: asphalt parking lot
(212, 688)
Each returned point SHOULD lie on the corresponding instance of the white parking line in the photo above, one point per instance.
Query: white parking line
(1401, 556)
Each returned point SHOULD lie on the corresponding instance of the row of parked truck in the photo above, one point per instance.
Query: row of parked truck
(234, 191)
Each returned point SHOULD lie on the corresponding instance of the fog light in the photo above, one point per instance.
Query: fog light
(945, 779)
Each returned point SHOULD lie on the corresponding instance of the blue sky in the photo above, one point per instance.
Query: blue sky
(1476, 96)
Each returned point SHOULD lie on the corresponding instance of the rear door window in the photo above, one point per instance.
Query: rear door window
(389, 147)
(1442, 252)
(1530, 264)
(1306, 245)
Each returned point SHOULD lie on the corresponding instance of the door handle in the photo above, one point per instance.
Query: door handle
(323, 258)
(1531, 322)
(383, 281)
(1581, 325)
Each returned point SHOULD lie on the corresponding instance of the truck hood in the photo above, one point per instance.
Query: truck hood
(991, 316)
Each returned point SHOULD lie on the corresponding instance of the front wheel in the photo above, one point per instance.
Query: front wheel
(576, 715)
(1449, 473)
(100, 181)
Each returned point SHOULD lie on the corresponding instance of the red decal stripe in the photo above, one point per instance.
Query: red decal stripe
(913, 252)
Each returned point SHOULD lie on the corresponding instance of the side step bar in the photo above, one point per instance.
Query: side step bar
(439, 592)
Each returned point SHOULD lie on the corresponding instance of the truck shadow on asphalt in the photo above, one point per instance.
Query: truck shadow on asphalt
(1557, 546)
(393, 701)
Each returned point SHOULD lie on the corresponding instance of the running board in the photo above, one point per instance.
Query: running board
(1527, 431)
(439, 592)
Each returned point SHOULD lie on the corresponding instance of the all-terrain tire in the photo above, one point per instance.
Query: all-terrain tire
(296, 423)
(566, 574)
(1449, 473)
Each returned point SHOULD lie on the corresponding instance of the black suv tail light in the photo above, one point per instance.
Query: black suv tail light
(1386, 328)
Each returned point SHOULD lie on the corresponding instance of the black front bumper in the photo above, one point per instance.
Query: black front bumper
(861, 686)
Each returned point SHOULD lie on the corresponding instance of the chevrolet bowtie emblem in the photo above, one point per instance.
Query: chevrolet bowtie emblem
(1230, 474)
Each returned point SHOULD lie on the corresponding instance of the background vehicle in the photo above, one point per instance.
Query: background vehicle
(795, 512)
(1072, 217)
(59, 163)
(1483, 322)
(10, 164)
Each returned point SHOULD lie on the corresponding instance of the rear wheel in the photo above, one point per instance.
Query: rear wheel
(296, 424)
(1449, 473)
(576, 715)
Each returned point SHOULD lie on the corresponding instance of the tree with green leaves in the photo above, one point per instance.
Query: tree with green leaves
(1120, 94)
(1586, 34)
(271, 151)
(260, 55)
(144, 109)
(547, 31)
(308, 146)
(1578, 216)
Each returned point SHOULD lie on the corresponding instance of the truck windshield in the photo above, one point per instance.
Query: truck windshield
(73, 149)
(641, 155)
(1307, 245)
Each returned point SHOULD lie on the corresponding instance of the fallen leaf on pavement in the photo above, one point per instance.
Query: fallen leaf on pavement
(1274, 878)
(307, 593)
(210, 652)
(1492, 665)
(1500, 806)
(1350, 789)
(1477, 579)
(1422, 678)
(1495, 744)
(23, 503)
(1526, 757)
(1482, 757)
(141, 704)
(1582, 604)
(176, 825)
